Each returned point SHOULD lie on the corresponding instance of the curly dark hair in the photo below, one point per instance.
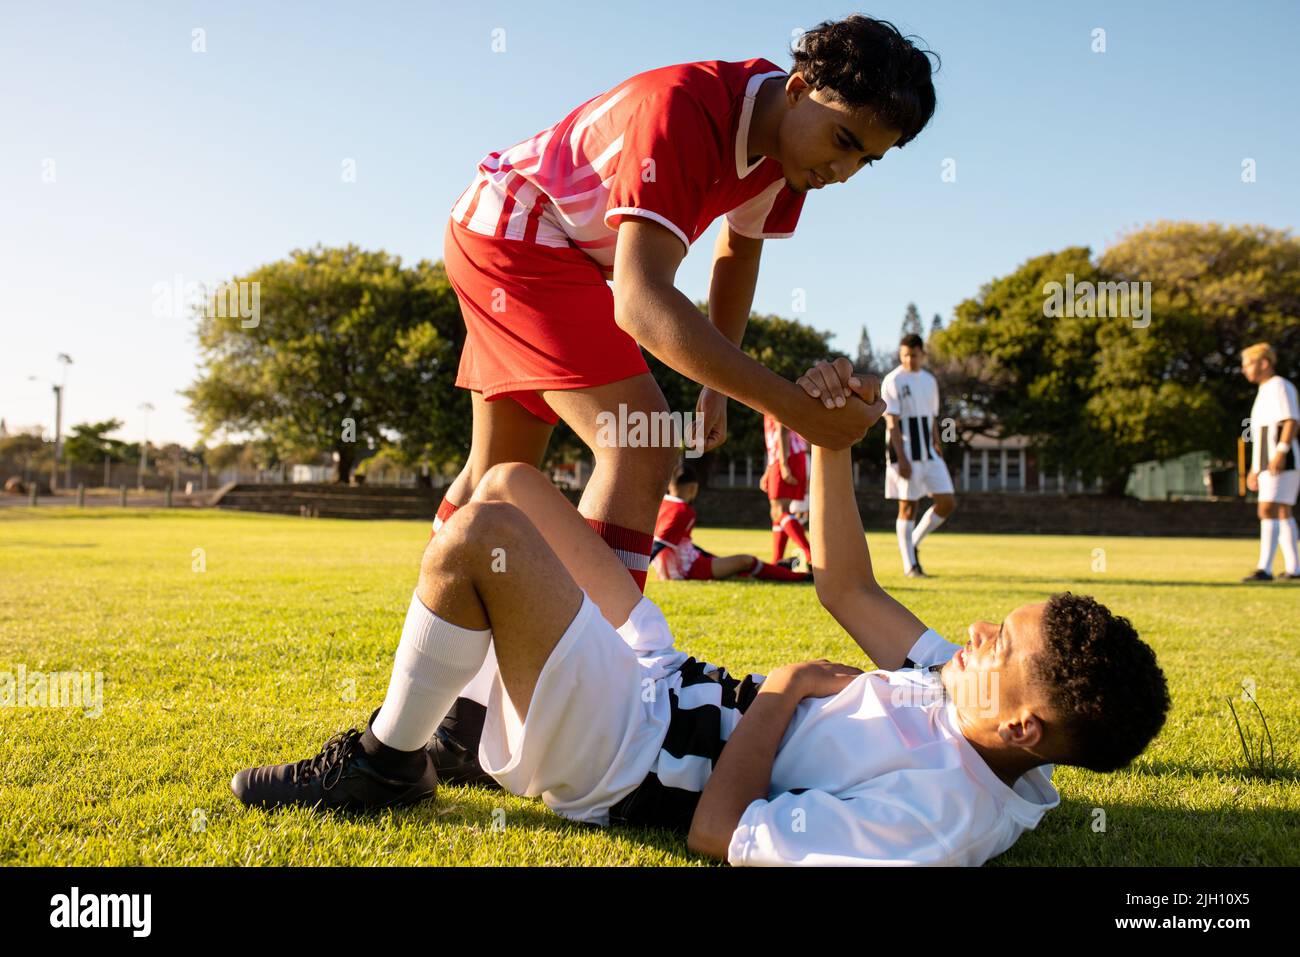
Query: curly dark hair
(1103, 680)
(869, 64)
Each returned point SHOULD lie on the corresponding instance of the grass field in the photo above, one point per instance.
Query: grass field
(287, 633)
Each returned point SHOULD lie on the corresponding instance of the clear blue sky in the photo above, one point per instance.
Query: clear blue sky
(169, 163)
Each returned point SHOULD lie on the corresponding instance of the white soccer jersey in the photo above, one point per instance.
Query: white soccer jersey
(914, 398)
(880, 774)
(1275, 402)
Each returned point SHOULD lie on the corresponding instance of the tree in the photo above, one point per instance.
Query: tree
(911, 321)
(1007, 369)
(1101, 388)
(350, 350)
(89, 444)
(936, 325)
(1174, 384)
(866, 358)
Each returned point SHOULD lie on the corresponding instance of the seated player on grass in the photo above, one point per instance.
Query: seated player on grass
(675, 557)
(943, 757)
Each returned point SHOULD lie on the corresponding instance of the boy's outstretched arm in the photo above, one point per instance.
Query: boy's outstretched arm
(663, 320)
(842, 573)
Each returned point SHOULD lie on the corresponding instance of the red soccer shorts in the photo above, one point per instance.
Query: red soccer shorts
(536, 317)
(777, 489)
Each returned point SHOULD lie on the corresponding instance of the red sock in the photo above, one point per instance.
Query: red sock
(777, 573)
(778, 543)
(632, 547)
(794, 529)
(445, 511)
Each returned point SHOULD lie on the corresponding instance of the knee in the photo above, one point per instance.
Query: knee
(945, 506)
(1265, 511)
(477, 526)
(503, 482)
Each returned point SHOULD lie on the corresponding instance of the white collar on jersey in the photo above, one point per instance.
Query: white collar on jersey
(746, 113)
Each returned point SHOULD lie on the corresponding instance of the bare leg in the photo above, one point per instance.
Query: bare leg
(489, 567)
(504, 431)
(627, 484)
(595, 569)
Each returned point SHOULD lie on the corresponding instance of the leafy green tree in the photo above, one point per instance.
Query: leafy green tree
(350, 350)
(89, 444)
(1174, 384)
(1006, 368)
(1104, 388)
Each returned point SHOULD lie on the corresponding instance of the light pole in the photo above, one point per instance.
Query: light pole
(146, 408)
(59, 392)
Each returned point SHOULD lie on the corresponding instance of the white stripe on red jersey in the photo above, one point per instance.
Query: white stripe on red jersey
(772, 439)
(670, 145)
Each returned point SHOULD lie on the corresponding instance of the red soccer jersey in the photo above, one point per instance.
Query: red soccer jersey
(675, 553)
(675, 522)
(669, 144)
(772, 438)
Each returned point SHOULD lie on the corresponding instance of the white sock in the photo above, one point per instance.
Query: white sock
(434, 660)
(1290, 545)
(1268, 535)
(929, 522)
(904, 529)
(481, 683)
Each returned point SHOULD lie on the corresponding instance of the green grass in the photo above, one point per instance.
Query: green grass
(288, 635)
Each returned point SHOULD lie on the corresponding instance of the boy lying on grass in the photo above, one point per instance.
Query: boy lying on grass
(944, 756)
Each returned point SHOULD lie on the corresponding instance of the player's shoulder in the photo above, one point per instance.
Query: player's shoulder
(714, 83)
(892, 375)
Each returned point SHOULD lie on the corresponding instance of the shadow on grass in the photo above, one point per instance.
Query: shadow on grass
(465, 806)
(1145, 835)
(1135, 835)
(1284, 774)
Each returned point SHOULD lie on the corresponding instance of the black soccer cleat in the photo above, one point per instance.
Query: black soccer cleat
(341, 777)
(454, 746)
(1258, 575)
(916, 554)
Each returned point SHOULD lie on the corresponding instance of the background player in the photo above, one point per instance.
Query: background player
(1275, 460)
(619, 189)
(785, 479)
(913, 454)
(675, 557)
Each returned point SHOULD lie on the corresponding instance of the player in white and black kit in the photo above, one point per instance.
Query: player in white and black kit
(944, 758)
(914, 466)
(1274, 462)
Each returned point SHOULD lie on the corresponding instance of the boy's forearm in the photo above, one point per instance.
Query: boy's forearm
(732, 284)
(839, 543)
(743, 773)
(666, 322)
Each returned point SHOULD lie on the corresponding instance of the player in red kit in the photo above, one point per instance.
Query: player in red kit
(786, 481)
(677, 558)
(619, 190)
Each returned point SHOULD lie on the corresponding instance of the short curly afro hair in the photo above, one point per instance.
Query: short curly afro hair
(868, 64)
(1103, 681)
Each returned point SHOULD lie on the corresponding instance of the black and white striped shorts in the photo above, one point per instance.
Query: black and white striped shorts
(702, 716)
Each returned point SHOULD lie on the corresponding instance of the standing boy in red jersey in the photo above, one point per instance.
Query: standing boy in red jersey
(786, 481)
(620, 189)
